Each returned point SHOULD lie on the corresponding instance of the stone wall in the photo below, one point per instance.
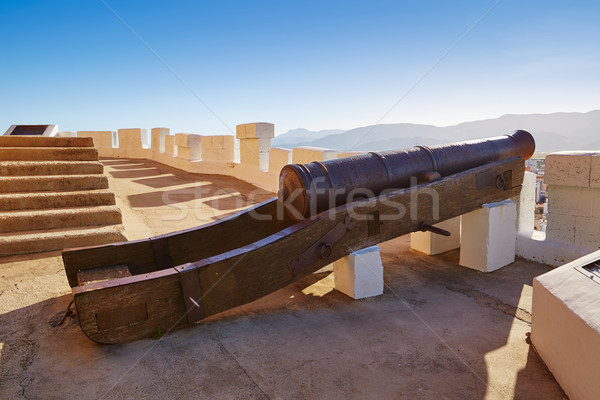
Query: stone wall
(573, 180)
(259, 164)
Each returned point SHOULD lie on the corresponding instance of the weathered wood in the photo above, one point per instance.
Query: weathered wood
(185, 246)
(244, 274)
(101, 274)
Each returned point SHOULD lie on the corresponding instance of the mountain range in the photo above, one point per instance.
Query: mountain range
(552, 132)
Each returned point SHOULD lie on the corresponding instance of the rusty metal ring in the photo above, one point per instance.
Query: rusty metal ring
(325, 250)
(500, 182)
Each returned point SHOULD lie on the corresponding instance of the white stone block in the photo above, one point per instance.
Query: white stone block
(571, 200)
(255, 130)
(189, 146)
(307, 154)
(158, 138)
(569, 168)
(187, 139)
(359, 274)
(587, 232)
(488, 236)
(432, 244)
(561, 227)
(565, 327)
(278, 158)
(526, 204)
(255, 152)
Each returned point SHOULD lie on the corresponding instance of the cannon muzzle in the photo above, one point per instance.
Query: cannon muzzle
(308, 189)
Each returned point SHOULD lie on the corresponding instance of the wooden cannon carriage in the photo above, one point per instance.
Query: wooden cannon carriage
(126, 291)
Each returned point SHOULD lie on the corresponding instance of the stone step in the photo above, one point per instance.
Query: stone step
(22, 168)
(25, 141)
(17, 221)
(57, 239)
(50, 200)
(48, 154)
(54, 183)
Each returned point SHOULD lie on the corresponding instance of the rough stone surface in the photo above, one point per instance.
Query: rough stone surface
(359, 274)
(278, 158)
(438, 330)
(569, 168)
(595, 171)
(158, 139)
(566, 327)
(572, 200)
(105, 139)
(488, 236)
(306, 154)
(255, 130)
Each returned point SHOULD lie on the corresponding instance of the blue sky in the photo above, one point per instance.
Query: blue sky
(311, 64)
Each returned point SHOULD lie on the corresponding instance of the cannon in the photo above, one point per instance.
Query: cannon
(308, 189)
(127, 291)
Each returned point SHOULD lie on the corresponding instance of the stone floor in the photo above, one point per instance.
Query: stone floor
(438, 331)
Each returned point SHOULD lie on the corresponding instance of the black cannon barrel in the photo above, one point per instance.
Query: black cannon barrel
(307, 189)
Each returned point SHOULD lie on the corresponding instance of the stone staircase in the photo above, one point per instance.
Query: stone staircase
(53, 195)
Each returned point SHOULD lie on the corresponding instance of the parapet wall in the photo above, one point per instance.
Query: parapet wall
(573, 180)
(258, 163)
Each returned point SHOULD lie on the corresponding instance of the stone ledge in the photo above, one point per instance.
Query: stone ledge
(571, 168)
(566, 327)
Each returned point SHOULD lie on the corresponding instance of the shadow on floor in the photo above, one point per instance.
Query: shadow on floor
(430, 335)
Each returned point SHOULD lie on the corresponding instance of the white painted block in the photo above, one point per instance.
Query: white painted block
(488, 236)
(526, 204)
(187, 139)
(158, 138)
(307, 154)
(255, 130)
(432, 244)
(189, 146)
(255, 152)
(565, 327)
(359, 274)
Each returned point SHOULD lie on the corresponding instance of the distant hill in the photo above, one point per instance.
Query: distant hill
(291, 137)
(552, 132)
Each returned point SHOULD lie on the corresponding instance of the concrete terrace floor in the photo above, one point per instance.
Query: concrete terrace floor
(438, 331)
